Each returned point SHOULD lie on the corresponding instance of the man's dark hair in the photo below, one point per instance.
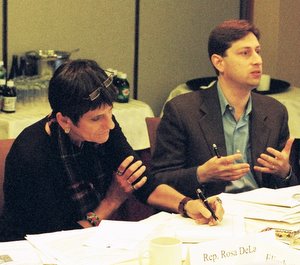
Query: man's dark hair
(222, 36)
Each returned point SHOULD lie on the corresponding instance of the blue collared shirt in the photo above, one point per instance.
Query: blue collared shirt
(237, 138)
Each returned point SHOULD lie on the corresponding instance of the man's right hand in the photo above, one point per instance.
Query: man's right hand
(225, 168)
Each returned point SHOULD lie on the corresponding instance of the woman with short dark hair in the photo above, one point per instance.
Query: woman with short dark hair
(75, 167)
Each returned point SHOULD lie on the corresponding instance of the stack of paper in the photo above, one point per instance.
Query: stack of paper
(265, 204)
(116, 241)
(20, 253)
(69, 248)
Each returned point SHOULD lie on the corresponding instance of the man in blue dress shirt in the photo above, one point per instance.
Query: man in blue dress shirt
(250, 130)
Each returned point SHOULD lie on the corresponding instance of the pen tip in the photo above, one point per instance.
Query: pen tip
(214, 145)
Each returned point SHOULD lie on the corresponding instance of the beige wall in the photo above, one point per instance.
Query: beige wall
(173, 43)
(269, 28)
(173, 36)
(103, 30)
(279, 22)
(289, 44)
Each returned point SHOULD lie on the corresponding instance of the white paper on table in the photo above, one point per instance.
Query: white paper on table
(278, 197)
(19, 253)
(255, 249)
(67, 248)
(117, 241)
(120, 234)
(84, 246)
(128, 235)
(188, 231)
(158, 219)
(234, 206)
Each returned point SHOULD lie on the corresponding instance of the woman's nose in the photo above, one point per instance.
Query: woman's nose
(108, 122)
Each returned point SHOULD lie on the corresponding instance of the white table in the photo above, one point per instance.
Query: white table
(88, 245)
(290, 98)
(23, 253)
(131, 117)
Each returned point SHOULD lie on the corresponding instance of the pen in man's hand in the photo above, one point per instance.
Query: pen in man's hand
(216, 150)
(204, 199)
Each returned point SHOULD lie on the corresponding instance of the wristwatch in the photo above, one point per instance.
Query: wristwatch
(181, 206)
(93, 219)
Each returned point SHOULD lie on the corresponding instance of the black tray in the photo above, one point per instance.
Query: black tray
(195, 84)
(276, 85)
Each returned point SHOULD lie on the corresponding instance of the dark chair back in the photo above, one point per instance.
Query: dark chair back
(152, 124)
(4, 149)
(295, 158)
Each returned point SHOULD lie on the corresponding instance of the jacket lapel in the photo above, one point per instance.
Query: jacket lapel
(210, 120)
(259, 134)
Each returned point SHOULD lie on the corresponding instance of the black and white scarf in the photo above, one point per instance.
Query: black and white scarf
(85, 187)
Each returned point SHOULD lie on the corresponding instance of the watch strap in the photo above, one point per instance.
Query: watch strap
(181, 206)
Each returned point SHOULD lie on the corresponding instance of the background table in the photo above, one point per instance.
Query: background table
(290, 98)
(131, 117)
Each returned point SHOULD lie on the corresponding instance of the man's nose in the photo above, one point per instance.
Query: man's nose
(257, 58)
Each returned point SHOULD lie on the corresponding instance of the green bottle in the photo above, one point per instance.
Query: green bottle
(2, 71)
(2, 88)
(123, 87)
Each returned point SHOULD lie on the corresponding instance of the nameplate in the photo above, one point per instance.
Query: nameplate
(261, 248)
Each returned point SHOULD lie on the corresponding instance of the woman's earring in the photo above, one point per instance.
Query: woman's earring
(67, 130)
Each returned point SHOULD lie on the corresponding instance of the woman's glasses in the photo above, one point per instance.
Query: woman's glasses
(106, 83)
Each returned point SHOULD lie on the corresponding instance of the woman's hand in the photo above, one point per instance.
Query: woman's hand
(197, 210)
(127, 179)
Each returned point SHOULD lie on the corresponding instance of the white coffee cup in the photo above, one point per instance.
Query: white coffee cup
(264, 83)
(163, 251)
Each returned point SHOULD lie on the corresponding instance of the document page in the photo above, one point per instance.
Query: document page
(19, 253)
(250, 205)
(285, 197)
(188, 231)
(68, 248)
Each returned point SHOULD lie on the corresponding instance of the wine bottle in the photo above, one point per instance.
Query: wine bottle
(14, 70)
(9, 97)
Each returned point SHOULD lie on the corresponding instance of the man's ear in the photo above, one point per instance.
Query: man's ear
(218, 62)
(64, 121)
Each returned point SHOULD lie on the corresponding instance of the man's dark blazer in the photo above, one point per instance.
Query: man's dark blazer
(192, 123)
